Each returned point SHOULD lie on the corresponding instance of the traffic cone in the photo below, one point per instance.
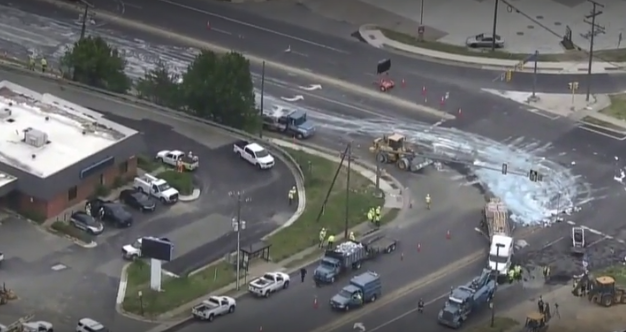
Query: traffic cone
(419, 247)
(460, 111)
(442, 102)
(402, 256)
(403, 83)
(315, 302)
(448, 236)
(208, 25)
(424, 91)
(411, 204)
(260, 328)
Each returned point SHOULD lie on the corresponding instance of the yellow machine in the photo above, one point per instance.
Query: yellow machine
(537, 322)
(393, 149)
(601, 290)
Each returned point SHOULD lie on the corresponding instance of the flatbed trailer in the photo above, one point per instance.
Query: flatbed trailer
(379, 243)
(496, 219)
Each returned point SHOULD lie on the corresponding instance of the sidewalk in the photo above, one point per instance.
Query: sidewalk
(373, 36)
(394, 199)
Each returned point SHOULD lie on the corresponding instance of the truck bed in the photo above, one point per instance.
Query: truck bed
(379, 242)
(497, 218)
(241, 143)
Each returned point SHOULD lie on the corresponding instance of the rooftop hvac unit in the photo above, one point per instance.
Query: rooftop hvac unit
(5, 113)
(34, 137)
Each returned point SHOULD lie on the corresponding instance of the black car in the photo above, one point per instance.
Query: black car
(137, 199)
(110, 212)
(87, 223)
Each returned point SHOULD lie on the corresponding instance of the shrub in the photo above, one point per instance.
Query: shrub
(183, 182)
(34, 216)
(67, 229)
(147, 164)
(101, 191)
(118, 181)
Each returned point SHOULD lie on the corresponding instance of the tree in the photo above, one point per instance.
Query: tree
(94, 62)
(220, 88)
(160, 86)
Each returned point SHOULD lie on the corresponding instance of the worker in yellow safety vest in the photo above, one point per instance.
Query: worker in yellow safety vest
(511, 275)
(370, 215)
(331, 242)
(44, 65)
(518, 272)
(377, 216)
(352, 237)
(31, 63)
(322, 237)
(292, 195)
(427, 201)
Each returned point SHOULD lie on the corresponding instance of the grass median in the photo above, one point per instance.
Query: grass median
(617, 108)
(301, 235)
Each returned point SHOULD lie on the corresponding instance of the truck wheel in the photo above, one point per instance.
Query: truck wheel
(267, 294)
(140, 189)
(134, 257)
(286, 285)
(392, 248)
(162, 199)
(231, 309)
(332, 280)
(357, 266)
(259, 166)
(347, 308)
(210, 319)
(373, 298)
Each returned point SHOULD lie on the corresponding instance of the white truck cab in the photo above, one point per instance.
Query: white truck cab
(189, 161)
(254, 153)
(156, 187)
(500, 253)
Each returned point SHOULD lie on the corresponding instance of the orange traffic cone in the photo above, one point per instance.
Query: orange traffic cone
(315, 302)
(419, 247)
(448, 236)
(402, 256)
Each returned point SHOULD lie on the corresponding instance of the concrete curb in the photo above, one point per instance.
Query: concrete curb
(309, 148)
(373, 36)
(195, 194)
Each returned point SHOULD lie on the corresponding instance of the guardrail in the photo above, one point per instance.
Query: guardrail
(15, 66)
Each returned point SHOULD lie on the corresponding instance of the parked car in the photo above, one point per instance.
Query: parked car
(484, 40)
(137, 199)
(110, 212)
(86, 222)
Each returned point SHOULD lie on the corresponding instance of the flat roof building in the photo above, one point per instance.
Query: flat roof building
(54, 154)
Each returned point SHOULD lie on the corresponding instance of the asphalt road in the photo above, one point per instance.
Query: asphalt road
(335, 56)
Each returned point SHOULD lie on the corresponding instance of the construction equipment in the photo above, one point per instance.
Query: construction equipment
(537, 322)
(463, 300)
(393, 149)
(6, 295)
(601, 290)
(578, 240)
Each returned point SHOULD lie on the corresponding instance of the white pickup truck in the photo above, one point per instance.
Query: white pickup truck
(189, 161)
(254, 153)
(133, 251)
(156, 187)
(269, 283)
(213, 307)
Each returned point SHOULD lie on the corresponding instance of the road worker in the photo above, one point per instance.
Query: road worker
(331, 242)
(31, 63)
(44, 65)
(377, 216)
(302, 274)
(546, 272)
(427, 199)
(370, 215)
(540, 305)
(292, 195)
(352, 237)
(322, 237)
(511, 275)
(518, 272)
(420, 306)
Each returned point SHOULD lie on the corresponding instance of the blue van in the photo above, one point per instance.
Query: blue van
(364, 288)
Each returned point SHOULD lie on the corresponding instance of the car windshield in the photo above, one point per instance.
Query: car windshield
(345, 293)
(261, 154)
(498, 259)
(89, 221)
(137, 244)
(214, 301)
(164, 187)
(328, 263)
(452, 306)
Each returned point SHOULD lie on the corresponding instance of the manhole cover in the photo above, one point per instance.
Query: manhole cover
(519, 33)
(539, 17)
(58, 267)
(531, 27)
(557, 23)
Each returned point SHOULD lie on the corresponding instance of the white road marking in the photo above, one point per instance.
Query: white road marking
(397, 318)
(221, 31)
(198, 10)
(131, 5)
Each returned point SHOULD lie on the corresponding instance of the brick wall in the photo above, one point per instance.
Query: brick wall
(64, 200)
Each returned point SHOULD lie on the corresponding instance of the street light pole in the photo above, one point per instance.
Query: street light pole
(422, 13)
(262, 97)
(349, 157)
(83, 27)
(493, 310)
(238, 226)
(592, 16)
(495, 25)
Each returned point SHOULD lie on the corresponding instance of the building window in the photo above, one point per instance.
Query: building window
(124, 167)
(72, 193)
(102, 179)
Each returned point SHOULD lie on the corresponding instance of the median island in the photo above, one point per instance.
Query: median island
(301, 235)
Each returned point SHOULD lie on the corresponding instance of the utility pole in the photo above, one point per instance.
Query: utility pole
(491, 305)
(594, 13)
(83, 27)
(238, 225)
(262, 97)
(422, 13)
(495, 25)
(349, 157)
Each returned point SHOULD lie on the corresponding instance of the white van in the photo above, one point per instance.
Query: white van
(90, 325)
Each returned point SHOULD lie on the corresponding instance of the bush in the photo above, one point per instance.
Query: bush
(67, 229)
(183, 182)
(118, 182)
(101, 191)
(147, 164)
(34, 216)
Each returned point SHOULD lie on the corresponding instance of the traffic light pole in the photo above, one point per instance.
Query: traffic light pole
(592, 16)
(349, 156)
(262, 98)
(495, 25)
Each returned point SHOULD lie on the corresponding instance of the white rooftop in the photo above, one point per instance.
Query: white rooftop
(42, 134)
(6, 179)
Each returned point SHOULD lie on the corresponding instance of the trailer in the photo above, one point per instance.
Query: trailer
(499, 230)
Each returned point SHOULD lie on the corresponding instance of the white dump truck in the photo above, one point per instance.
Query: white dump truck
(214, 306)
(269, 283)
(497, 223)
(156, 187)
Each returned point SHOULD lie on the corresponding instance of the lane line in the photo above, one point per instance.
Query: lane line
(221, 31)
(402, 292)
(202, 11)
